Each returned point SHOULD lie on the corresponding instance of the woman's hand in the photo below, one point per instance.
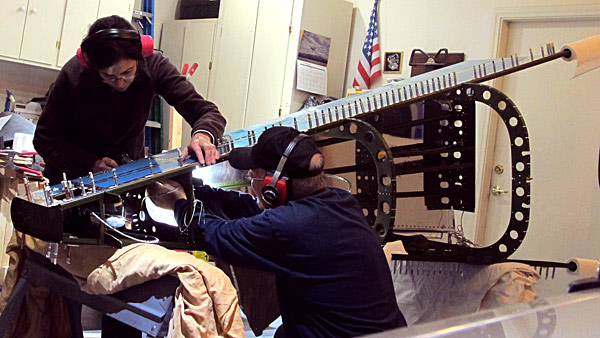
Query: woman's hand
(104, 164)
(203, 148)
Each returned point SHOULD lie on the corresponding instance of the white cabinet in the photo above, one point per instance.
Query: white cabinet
(48, 32)
(190, 41)
(262, 87)
(41, 35)
(194, 52)
(250, 58)
(13, 21)
(34, 29)
(122, 8)
(79, 16)
(233, 59)
(274, 32)
(252, 79)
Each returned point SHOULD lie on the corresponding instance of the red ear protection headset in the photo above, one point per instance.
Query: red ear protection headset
(146, 42)
(275, 189)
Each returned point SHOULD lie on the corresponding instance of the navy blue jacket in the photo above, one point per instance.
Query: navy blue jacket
(332, 276)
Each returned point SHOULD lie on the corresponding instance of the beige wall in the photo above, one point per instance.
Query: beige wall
(459, 25)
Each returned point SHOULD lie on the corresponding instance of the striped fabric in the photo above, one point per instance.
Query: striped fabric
(369, 64)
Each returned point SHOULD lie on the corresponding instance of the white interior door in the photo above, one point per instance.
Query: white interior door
(563, 119)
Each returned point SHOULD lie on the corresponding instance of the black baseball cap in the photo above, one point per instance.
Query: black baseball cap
(269, 149)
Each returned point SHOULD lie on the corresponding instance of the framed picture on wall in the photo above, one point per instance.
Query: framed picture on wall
(392, 62)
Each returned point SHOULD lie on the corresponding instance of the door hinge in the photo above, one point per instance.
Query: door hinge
(209, 65)
(57, 44)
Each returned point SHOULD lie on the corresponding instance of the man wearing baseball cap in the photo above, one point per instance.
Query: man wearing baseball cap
(332, 277)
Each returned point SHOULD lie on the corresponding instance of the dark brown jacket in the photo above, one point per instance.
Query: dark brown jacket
(84, 119)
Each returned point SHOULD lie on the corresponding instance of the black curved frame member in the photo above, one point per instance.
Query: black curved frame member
(385, 178)
(520, 162)
(516, 229)
(383, 161)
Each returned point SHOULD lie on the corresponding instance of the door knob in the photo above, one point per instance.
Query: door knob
(497, 190)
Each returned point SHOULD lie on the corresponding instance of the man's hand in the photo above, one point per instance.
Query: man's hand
(103, 164)
(205, 151)
(165, 193)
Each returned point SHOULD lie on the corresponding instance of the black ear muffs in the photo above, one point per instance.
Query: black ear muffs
(275, 190)
(146, 42)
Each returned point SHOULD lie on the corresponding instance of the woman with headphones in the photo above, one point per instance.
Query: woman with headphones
(96, 112)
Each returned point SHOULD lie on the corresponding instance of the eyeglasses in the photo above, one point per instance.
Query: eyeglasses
(250, 178)
(113, 79)
(126, 76)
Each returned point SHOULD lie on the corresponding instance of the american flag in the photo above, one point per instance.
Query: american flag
(369, 64)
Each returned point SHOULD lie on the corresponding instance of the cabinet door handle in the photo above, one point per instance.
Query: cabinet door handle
(22, 9)
(34, 10)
